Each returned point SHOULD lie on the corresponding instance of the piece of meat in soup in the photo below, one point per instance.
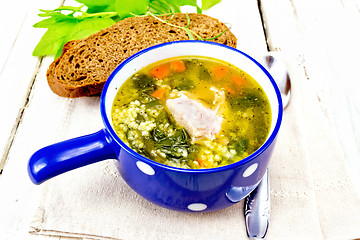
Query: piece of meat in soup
(198, 120)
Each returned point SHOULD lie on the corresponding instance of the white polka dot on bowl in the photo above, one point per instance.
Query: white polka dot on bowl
(197, 207)
(145, 168)
(250, 170)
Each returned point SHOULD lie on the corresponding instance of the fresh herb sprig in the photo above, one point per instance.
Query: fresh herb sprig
(70, 23)
(189, 32)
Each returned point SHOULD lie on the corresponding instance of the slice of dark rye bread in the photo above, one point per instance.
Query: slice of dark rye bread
(50, 74)
(86, 64)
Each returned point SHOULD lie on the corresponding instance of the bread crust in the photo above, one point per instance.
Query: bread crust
(86, 64)
(50, 74)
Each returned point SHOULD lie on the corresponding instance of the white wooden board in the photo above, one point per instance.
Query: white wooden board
(17, 65)
(321, 40)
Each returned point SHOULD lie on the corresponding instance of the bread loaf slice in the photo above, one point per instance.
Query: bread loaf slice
(50, 74)
(86, 64)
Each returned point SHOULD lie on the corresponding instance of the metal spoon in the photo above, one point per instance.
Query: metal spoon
(257, 209)
(257, 204)
(276, 67)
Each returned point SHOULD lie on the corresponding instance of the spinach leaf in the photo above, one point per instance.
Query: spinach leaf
(204, 73)
(241, 145)
(157, 134)
(170, 6)
(63, 28)
(96, 12)
(185, 84)
(207, 4)
(176, 146)
(148, 100)
(182, 136)
(162, 118)
(153, 103)
(98, 6)
(126, 8)
(183, 2)
(88, 26)
(54, 38)
(143, 82)
(49, 22)
(139, 118)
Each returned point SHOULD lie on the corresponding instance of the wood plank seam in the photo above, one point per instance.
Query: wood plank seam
(20, 115)
(263, 23)
(12, 46)
(24, 105)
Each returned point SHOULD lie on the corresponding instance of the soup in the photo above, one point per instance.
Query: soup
(192, 112)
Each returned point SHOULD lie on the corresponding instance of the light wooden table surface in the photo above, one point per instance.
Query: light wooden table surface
(319, 41)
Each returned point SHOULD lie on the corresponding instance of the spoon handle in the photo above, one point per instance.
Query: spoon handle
(257, 209)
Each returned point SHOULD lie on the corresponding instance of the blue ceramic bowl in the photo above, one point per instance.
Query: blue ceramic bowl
(173, 188)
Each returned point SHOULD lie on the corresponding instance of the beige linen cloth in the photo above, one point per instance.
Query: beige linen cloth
(312, 196)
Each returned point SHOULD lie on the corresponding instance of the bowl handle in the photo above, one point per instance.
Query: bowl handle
(64, 156)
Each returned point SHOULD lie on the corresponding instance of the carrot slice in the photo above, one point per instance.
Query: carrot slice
(160, 71)
(178, 66)
(238, 80)
(202, 163)
(159, 93)
(220, 71)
